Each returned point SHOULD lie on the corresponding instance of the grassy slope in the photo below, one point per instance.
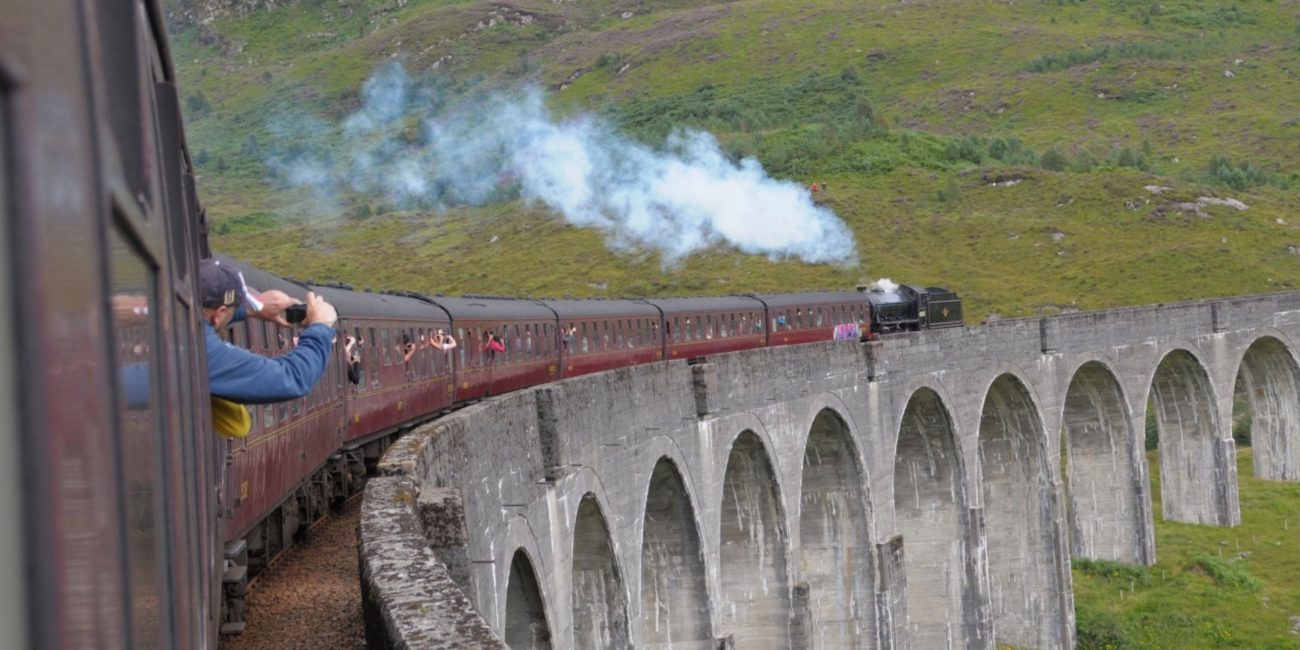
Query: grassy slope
(933, 72)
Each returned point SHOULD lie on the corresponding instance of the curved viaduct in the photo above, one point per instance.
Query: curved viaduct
(926, 491)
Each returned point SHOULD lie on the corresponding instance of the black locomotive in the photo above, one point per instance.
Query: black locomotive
(908, 308)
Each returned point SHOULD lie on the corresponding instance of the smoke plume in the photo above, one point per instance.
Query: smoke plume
(405, 148)
(888, 288)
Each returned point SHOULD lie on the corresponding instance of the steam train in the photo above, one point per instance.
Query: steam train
(127, 521)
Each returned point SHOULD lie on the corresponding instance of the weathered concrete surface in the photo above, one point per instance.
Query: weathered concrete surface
(926, 491)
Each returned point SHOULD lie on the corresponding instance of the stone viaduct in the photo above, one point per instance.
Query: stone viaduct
(925, 491)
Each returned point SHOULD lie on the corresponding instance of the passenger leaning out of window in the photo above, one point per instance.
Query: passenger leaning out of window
(242, 376)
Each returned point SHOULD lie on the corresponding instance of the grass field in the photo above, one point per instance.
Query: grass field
(1211, 588)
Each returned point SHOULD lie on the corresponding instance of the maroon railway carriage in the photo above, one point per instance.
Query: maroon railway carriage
(107, 464)
(794, 318)
(696, 327)
(289, 440)
(597, 335)
(394, 389)
(527, 331)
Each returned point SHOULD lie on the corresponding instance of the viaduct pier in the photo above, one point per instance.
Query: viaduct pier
(925, 491)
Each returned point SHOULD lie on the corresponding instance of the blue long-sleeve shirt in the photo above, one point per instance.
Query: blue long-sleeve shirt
(247, 378)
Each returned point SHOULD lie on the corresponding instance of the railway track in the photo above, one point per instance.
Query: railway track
(310, 596)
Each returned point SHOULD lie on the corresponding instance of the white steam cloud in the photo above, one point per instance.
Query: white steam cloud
(887, 287)
(677, 199)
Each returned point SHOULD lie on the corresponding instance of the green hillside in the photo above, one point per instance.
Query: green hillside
(912, 113)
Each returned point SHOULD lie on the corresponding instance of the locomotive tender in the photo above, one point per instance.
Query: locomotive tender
(128, 522)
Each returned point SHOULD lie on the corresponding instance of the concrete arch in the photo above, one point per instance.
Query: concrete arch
(1270, 378)
(1102, 475)
(526, 627)
(834, 550)
(929, 501)
(599, 603)
(755, 589)
(1027, 575)
(674, 595)
(1197, 463)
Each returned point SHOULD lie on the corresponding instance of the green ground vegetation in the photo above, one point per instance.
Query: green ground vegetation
(1210, 588)
(1002, 149)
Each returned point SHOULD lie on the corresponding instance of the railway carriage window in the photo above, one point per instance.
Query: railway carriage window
(819, 317)
(268, 416)
(283, 409)
(141, 435)
(462, 347)
(383, 343)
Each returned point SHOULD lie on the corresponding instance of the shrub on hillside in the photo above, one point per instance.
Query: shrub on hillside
(950, 192)
(979, 150)
(1053, 160)
(1240, 175)
(1099, 631)
(1123, 574)
(1227, 574)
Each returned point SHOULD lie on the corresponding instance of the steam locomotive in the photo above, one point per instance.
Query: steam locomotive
(132, 522)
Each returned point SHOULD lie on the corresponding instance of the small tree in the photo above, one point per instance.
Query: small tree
(1052, 160)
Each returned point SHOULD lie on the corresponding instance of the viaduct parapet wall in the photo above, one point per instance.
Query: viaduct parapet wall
(924, 491)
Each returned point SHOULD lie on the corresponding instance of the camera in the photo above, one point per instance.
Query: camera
(296, 313)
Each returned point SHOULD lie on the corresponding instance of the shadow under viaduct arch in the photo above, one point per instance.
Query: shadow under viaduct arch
(674, 595)
(1026, 571)
(834, 547)
(526, 626)
(928, 502)
(599, 601)
(1102, 471)
(1196, 466)
(755, 589)
(1270, 379)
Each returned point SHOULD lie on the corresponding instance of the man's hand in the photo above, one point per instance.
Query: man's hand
(274, 302)
(320, 311)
